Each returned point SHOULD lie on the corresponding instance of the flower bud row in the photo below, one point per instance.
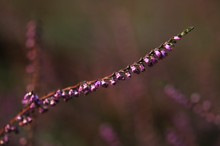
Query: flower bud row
(32, 102)
(201, 108)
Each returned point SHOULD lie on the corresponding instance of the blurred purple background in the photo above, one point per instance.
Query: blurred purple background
(85, 40)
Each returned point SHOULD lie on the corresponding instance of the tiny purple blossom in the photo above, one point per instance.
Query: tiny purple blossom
(8, 128)
(153, 59)
(4, 140)
(84, 88)
(42, 110)
(58, 95)
(176, 38)
(104, 83)
(127, 73)
(119, 75)
(76, 93)
(142, 67)
(92, 87)
(163, 53)
(147, 60)
(46, 101)
(157, 53)
(73, 92)
(134, 69)
(168, 47)
(53, 102)
(19, 118)
(98, 84)
(112, 81)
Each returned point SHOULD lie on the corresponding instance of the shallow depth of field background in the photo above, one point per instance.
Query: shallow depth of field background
(85, 40)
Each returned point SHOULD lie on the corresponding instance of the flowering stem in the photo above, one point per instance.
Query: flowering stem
(32, 102)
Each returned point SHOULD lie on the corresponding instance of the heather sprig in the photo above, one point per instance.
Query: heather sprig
(33, 103)
(194, 103)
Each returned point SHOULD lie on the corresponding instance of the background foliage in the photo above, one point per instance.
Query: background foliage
(85, 40)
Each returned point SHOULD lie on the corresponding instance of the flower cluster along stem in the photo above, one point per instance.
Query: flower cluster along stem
(33, 103)
(194, 103)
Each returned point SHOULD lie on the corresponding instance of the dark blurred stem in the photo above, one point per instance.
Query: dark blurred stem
(32, 70)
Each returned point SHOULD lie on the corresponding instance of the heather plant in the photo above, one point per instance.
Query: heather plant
(194, 103)
(33, 103)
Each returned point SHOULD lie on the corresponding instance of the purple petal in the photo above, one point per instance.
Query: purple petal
(112, 81)
(119, 75)
(142, 67)
(176, 38)
(127, 73)
(104, 83)
(134, 69)
(168, 47)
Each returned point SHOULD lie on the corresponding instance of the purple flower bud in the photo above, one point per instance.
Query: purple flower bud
(176, 38)
(58, 95)
(84, 88)
(153, 60)
(127, 73)
(7, 128)
(147, 60)
(28, 95)
(93, 87)
(163, 53)
(135, 69)
(97, 84)
(42, 110)
(26, 98)
(74, 93)
(29, 98)
(104, 83)
(168, 47)
(46, 101)
(71, 93)
(4, 140)
(119, 75)
(33, 106)
(64, 94)
(80, 89)
(157, 53)
(25, 121)
(52, 101)
(25, 102)
(112, 81)
(33, 98)
(29, 119)
(141, 67)
(19, 118)
(38, 102)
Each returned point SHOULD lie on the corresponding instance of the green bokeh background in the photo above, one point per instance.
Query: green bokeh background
(85, 40)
